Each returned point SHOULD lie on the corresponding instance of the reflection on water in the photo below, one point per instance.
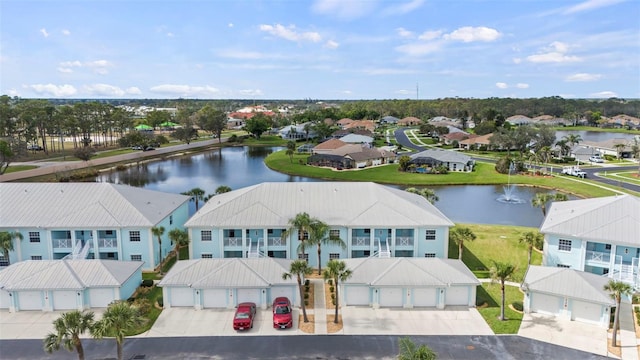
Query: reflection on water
(239, 167)
(594, 136)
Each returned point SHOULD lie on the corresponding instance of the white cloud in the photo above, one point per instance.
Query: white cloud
(417, 49)
(290, 33)
(501, 85)
(251, 92)
(184, 90)
(71, 64)
(591, 5)
(54, 90)
(241, 54)
(604, 94)
(430, 35)
(583, 77)
(403, 8)
(522, 86)
(98, 63)
(346, 92)
(517, 60)
(403, 92)
(65, 70)
(470, 33)
(170, 34)
(66, 32)
(230, 25)
(404, 32)
(13, 92)
(556, 52)
(387, 71)
(104, 90)
(133, 91)
(98, 66)
(343, 9)
(331, 44)
(44, 32)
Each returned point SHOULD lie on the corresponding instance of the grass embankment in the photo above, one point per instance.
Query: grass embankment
(491, 295)
(484, 174)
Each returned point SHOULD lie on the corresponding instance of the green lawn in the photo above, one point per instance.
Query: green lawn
(490, 293)
(17, 168)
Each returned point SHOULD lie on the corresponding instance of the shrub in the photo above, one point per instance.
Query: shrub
(306, 296)
(636, 300)
(331, 288)
(517, 305)
(306, 303)
(160, 302)
(120, 167)
(306, 288)
(333, 301)
(147, 283)
(143, 304)
(333, 296)
(307, 282)
(330, 282)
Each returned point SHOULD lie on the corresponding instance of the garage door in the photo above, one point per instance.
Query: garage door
(30, 300)
(391, 297)
(182, 297)
(5, 299)
(545, 304)
(356, 295)
(100, 298)
(64, 300)
(249, 295)
(425, 297)
(586, 312)
(286, 291)
(456, 295)
(214, 298)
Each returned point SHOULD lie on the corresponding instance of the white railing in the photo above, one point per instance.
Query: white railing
(62, 243)
(361, 241)
(598, 256)
(107, 243)
(254, 252)
(77, 248)
(85, 250)
(276, 241)
(404, 241)
(383, 250)
(233, 241)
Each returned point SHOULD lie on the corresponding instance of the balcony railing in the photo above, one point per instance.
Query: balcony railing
(361, 241)
(107, 243)
(234, 241)
(276, 241)
(404, 241)
(62, 243)
(598, 256)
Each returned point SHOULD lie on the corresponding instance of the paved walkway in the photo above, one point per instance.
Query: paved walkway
(319, 307)
(508, 283)
(628, 340)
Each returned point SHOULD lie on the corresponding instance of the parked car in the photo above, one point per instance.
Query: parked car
(34, 147)
(596, 159)
(243, 319)
(148, 148)
(573, 171)
(137, 147)
(282, 313)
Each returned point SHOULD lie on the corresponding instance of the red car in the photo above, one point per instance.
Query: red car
(282, 313)
(243, 319)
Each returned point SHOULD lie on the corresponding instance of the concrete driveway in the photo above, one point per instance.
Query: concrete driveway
(571, 334)
(31, 324)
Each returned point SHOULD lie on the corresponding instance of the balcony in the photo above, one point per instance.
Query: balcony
(361, 241)
(404, 241)
(597, 258)
(276, 241)
(107, 243)
(232, 242)
(62, 244)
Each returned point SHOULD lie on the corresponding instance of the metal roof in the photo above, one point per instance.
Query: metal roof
(351, 204)
(442, 155)
(613, 219)
(409, 272)
(66, 274)
(567, 282)
(229, 272)
(87, 205)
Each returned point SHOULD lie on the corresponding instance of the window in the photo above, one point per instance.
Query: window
(34, 236)
(430, 235)
(4, 261)
(607, 247)
(36, 257)
(136, 257)
(232, 233)
(207, 256)
(367, 231)
(564, 245)
(170, 219)
(134, 235)
(334, 256)
(305, 257)
(605, 271)
(334, 234)
(564, 266)
(269, 231)
(108, 232)
(205, 235)
(430, 255)
(303, 235)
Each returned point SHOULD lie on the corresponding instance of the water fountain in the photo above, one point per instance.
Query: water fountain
(509, 191)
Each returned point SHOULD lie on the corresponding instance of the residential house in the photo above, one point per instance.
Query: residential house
(368, 125)
(389, 120)
(89, 220)
(567, 293)
(432, 158)
(225, 283)
(409, 283)
(343, 122)
(476, 142)
(609, 147)
(54, 285)
(409, 121)
(298, 132)
(518, 120)
(599, 236)
(371, 219)
(328, 146)
(357, 139)
(452, 137)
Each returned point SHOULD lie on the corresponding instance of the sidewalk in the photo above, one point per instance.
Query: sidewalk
(319, 308)
(628, 340)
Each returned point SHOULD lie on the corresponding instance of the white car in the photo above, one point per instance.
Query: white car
(596, 159)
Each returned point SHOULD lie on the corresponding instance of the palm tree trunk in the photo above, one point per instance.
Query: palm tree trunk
(529, 254)
(79, 348)
(335, 318)
(304, 308)
(502, 307)
(460, 250)
(616, 324)
(119, 346)
(319, 263)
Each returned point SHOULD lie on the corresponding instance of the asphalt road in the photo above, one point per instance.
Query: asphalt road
(339, 347)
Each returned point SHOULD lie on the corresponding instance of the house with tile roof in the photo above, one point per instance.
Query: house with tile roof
(371, 219)
(409, 121)
(598, 236)
(476, 142)
(89, 220)
(433, 158)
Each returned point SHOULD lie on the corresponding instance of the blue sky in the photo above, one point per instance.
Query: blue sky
(320, 49)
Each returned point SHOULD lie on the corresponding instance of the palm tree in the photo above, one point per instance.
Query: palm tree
(409, 351)
(502, 272)
(426, 193)
(299, 268)
(337, 271)
(459, 235)
(541, 200)
(67, 330)
(118, 320)
(617, 289)
(290, 153)
(196, 194)
(180, 239)
(635, 149)
(302, 223)
(6, 243)
(573, 139)
(531, 239)
(619, 149)
(565, 149)
(158, 231)
(222, 189)
(319, 235)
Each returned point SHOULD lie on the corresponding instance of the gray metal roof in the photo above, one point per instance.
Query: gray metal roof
(72, 205)
(350, 204)
(67, 274)
(613, 219)
(357, 139)
(410, 272)
(567, 282)
(442, 155)
(226, 273)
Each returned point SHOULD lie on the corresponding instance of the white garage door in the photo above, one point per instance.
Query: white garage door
(456, 295)
(586, 312)
(249, 295)
(286, 291)
(30, 300)
(5, 299)
(214, 298)
(101, 297)
(182, 297)
(64, 300)
(425, 297)
(391, 297)
(545, 304)
(356, 295)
